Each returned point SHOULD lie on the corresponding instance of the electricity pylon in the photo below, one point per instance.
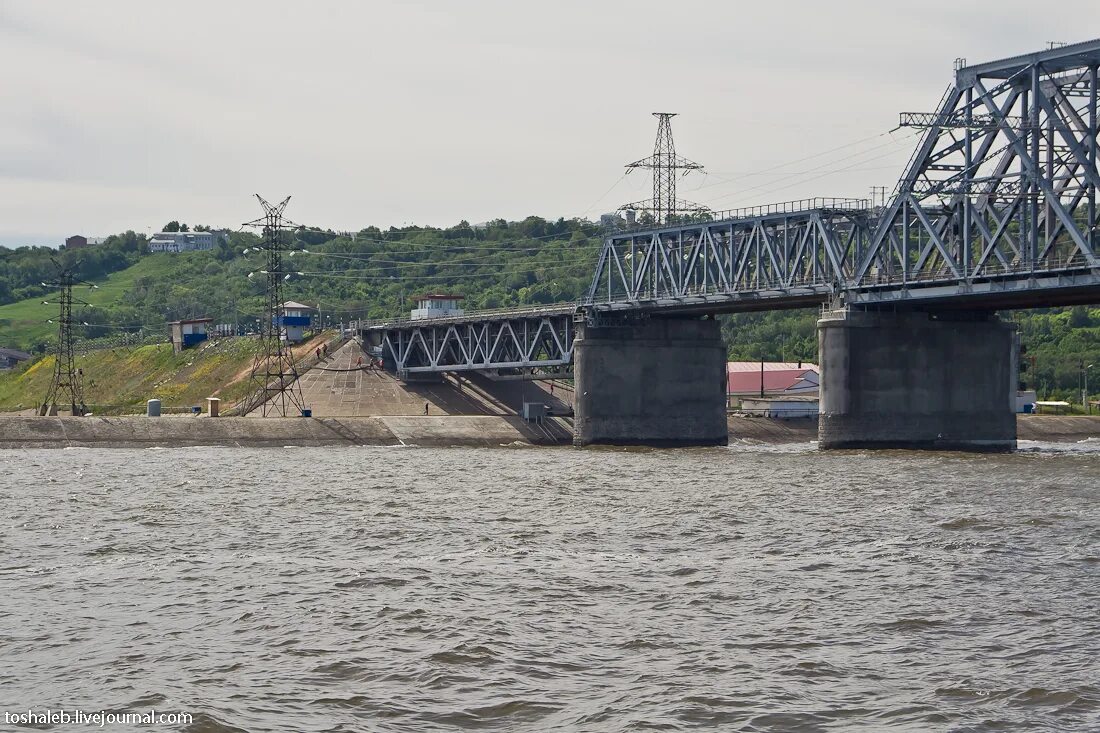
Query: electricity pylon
(68, 380)
(274, 378)
(666, 166)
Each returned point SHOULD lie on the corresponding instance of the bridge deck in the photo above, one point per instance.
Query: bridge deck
(482, 316)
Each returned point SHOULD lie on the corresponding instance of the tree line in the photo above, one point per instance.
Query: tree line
(376, 273)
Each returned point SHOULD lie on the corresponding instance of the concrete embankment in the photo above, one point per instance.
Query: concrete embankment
(1057, 428)
(1041, 428)
(771, 430)
(443, 430)
(144, 432)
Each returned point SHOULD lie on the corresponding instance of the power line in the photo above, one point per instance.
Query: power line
(768, 190)
(805, 158)
(605, 193)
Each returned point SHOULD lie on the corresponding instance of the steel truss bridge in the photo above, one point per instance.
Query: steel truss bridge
(997, 208)
(533, 343)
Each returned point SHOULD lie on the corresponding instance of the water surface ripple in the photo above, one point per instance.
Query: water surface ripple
(409, 589)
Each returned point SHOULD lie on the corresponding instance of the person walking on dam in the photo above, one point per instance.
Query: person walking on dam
(425, 408)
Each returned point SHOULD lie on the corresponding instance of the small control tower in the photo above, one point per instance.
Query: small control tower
(437, 305)
(295, 321)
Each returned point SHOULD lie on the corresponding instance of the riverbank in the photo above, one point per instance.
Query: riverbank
(172, 431)
(441, 431)
(1058, 428)
(771, 430)
(1039, 428)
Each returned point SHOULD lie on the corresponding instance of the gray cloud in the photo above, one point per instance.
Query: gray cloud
(125, 114)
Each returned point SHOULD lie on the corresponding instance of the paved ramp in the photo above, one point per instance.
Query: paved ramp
(337, 387)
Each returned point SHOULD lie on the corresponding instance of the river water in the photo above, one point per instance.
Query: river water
(415, 589)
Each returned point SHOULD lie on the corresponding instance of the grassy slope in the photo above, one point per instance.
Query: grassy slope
(123, 379)
(24, 322)
(129, 376)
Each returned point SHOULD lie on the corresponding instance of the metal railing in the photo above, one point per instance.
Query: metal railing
(477, 315)
(754, 212)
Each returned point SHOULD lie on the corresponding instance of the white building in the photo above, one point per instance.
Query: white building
(437, 306)
(184, 241)
(785, 407)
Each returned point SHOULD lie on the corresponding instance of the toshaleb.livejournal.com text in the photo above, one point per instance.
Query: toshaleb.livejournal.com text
(97, 718)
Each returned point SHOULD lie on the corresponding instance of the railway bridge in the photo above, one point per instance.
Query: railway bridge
(996, 209)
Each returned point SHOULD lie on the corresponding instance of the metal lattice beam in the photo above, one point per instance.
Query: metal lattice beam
(1004, 183)
(795, 256)
(519, 343)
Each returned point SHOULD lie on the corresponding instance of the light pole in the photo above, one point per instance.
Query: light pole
(1085, 390)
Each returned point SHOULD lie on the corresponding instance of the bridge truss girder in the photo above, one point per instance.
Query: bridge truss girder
(1004, 181)
(997, 204)
(518, 343)
(760, 258)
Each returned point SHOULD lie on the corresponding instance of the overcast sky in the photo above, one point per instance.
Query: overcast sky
(125, 114)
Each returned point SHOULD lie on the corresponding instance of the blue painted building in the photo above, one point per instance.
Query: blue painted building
(296, 319)
(189, 332)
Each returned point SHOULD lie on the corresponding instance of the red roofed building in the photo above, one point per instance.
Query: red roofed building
(776, 378)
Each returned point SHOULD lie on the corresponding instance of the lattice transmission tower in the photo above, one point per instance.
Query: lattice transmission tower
(274, 378)
(666, 166)
(67, 383)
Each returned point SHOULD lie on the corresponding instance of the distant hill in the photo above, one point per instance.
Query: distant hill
(24, 324)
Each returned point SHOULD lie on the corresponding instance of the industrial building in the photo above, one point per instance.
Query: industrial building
(79, 241)
(770, 379)
(786, 408)
(184, 241)
(773, 388)
(189, 332)
(11, 358)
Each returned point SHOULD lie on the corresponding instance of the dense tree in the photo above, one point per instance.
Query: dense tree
(24, 269)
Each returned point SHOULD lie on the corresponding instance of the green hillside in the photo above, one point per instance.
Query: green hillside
(126, 377)
(23, 324)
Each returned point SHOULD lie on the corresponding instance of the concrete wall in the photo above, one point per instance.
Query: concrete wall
(655, 382)
(276, 432)
(917, 380)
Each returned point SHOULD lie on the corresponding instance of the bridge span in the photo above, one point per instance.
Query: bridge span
(997, 209)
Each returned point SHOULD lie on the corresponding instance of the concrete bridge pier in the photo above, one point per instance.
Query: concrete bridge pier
(934, 380)
(650, 382)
